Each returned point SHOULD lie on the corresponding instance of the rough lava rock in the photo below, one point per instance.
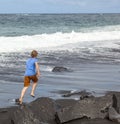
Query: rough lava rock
(91, 121)
(116, 101)
(60, 69)
(24, 115)
(44, 108)
(95, 110)
(91, 108)
(113, 115)
(6, 115)
(83, 94)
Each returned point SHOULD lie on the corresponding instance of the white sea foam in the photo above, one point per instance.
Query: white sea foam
(53, 41)
(47, 68)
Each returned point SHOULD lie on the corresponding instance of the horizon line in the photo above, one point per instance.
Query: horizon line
(64, 13)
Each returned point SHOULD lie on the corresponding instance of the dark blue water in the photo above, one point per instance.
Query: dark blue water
(32, 24)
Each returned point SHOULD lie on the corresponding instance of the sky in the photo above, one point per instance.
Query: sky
(59, 6)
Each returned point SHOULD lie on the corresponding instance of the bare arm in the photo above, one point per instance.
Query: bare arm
(37, 69)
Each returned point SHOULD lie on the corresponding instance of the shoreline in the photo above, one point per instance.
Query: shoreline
(94, 78)
(8, 98)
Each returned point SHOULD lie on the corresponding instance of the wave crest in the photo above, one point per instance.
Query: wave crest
(58, 39)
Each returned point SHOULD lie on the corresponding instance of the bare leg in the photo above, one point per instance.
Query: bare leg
(22, 94)
(33, 89)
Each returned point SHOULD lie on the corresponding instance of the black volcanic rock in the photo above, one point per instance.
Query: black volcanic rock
(24, 115)
(60, 69)
(82, 94)
(90, 110)
(91, 121)
(113, 115)
(6, 115)
(44, 108)
(116, 101)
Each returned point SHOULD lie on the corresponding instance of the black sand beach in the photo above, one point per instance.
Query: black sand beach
(63, 89)
(94, 78)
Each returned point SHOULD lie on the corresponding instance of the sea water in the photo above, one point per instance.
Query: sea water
(87, 44)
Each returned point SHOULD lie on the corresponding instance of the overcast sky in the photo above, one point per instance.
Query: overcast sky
(59, 6)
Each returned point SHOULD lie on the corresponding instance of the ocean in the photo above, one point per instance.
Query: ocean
(87, 44)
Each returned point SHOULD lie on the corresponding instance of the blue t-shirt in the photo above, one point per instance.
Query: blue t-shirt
(30, 67)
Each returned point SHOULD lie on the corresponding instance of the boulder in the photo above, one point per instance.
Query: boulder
(91, 108)
(65, 103)
(24, 115)
(116, 101)
(6, 115)
(113, 115)
(60, 69)
(40, 111)
(44, 109)
(82, 94)
(91, 121)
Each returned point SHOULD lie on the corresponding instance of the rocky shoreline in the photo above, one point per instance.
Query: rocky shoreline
(87, 110)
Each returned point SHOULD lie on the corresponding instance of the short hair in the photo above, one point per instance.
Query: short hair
(34, 53)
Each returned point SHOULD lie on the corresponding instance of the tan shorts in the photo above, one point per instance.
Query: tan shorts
(27, 80)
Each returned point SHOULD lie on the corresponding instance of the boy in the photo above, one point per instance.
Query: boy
(31, 74)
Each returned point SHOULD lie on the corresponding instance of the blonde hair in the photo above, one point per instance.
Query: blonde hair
(34, 53)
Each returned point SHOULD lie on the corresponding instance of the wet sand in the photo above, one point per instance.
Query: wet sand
(94, 78)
